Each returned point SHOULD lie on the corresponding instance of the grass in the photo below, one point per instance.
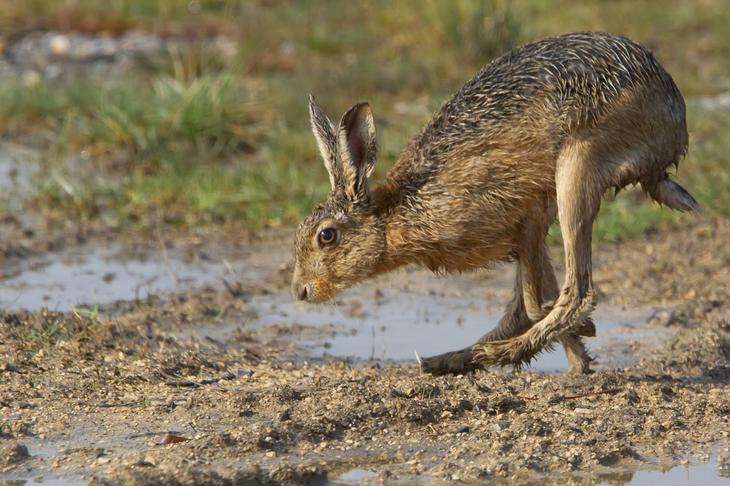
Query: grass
(207, 115)
(48, 327)
(198, 139)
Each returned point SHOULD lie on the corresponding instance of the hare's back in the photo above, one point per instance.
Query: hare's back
(563, 83)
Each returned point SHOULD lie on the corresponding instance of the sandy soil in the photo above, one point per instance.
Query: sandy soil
(139, 397)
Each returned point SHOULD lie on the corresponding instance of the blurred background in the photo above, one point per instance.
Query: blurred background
(129, 115)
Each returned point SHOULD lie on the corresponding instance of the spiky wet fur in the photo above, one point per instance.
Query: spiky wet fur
(544, 130)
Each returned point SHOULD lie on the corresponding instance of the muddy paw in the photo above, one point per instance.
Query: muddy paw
(587, 328)
(507, 352)
(579, 370)
(580, 367)
(454, 362)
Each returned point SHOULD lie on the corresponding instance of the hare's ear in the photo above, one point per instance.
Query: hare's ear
(358, 148)
(324, 132)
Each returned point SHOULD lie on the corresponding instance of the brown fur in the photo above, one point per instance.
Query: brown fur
(544, 130)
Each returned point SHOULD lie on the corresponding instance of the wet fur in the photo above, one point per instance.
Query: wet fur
(544, 130)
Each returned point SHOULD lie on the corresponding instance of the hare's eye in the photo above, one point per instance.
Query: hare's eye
(327, 237)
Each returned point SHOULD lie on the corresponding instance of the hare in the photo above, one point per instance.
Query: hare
(541, 132)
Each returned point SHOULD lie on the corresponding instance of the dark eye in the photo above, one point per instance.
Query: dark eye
(327, 237)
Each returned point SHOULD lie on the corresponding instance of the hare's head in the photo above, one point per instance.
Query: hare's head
(342, 241)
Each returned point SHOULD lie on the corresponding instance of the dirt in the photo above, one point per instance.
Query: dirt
(208, 374)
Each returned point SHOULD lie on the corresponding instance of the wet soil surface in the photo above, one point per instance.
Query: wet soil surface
(187, 363)
(55, 56)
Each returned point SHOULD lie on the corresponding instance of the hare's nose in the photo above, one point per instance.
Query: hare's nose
(301, 292)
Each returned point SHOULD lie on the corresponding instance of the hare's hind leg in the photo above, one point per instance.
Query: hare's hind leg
(536, 289)
(579, 187)
(578, 359)
(540, 290)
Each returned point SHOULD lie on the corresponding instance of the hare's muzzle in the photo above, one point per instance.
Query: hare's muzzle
(301, 291)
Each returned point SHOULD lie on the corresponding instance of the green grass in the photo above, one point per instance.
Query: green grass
(207, 115)
(48, 327)
(199, 139)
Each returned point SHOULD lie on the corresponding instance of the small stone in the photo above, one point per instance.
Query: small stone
(12, 454)
(182, 383)
(59, 45)
(228, 376)
(285, 415)
(631, 396)
(501, 425)
(464, 429)
(173, 439)
(466, 405)
(244, 372)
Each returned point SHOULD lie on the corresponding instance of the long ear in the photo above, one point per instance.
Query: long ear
(324, 132)
(358, 149)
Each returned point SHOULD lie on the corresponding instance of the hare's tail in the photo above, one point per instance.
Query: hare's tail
(666, 191)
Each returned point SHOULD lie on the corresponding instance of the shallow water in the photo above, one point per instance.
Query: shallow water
(401, 322)
(41, 452)
(45, 480)
(696, 474)
(90, 276)
(709, 473)
(372, 322)
(355, 476)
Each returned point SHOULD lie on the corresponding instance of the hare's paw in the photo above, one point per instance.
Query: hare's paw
(454, 362)
(587, 328)
(516, 352)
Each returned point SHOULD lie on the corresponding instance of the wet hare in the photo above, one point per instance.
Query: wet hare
(541, 132)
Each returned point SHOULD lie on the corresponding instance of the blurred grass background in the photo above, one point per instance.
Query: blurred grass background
(205, 137)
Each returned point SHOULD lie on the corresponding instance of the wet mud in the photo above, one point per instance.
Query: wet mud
(134, 364)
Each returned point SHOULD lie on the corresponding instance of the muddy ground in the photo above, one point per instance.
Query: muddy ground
(211, 375)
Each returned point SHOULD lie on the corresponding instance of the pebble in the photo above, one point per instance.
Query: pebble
(501, 425)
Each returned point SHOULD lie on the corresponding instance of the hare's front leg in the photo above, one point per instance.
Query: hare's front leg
(514, 322)
(578, 193)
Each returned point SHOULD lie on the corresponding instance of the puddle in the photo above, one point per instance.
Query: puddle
(80, 446)
(91, 276)
(379, 320)
(695, 474)
(45, 480)
(714, 471)
(37, 471)
(708, 473)
(392, 327)
(354, 476)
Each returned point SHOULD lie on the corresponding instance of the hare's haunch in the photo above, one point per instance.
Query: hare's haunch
(541, 132)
